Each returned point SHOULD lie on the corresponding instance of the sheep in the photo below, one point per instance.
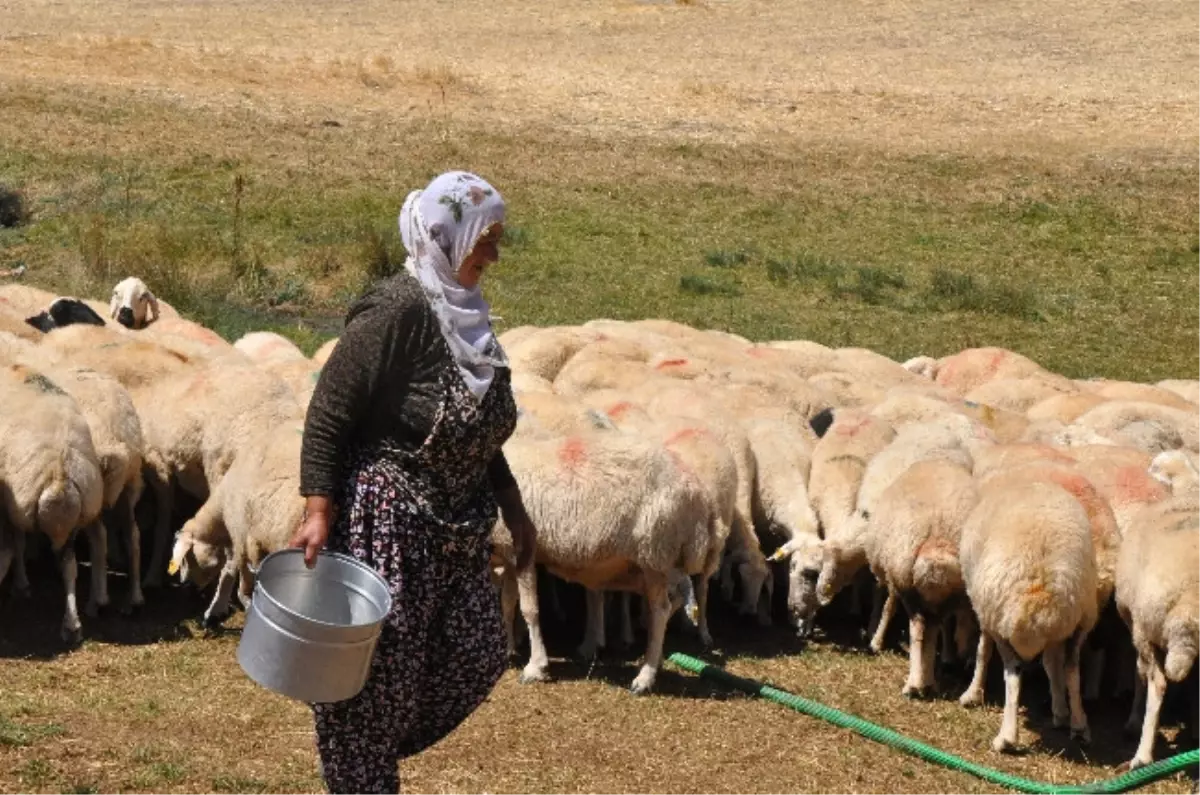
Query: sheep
(783, 461)
(848, 391)
(924, 366)
(50, 478)
(134, 362)
(1016, 394)
(1030, 571)
(323, 353)
(845, 552)
(1131, 390)
(23, 300)
(543, 352)
(849, 439)
(65, 311)
(263, 347)
(668, 398)
(1188, 389)
(1156, 593)
(133, 305)
(186, 336)
(1147, 426)
(12, 323)
(701, 455)
(613, 512)
(1064, 408)
(117, 439)
(252, 512)
(514, 335)
(301, 375)
(1177, 471)
(912, 545)
(973, 367)
(194, 426)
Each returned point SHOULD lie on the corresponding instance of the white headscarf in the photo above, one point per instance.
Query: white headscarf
(440, 226)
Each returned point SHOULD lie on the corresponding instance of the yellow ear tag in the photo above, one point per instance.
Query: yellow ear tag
(172, 567)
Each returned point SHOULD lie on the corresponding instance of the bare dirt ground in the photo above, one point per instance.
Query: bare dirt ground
(152, 704)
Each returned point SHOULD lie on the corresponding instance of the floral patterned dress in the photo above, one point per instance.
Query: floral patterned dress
(423, 520)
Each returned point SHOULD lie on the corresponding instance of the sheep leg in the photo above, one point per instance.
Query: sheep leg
(7, 548)
(1137, 708)
(1079, 721)
(593, 633)
(218, 610)
(1156, 688)
(1096, 659)
(725, 576)
(125, 505)
(246, 581)
(964, 621)
(554, 602)
(916, 642)
(1054, 661)
(973, 696)
(698, 603)
(163, 503)
(20, 574)
(72, 630)
(753, 574)
(97, 536)
(660, 611)
(536, 669)
(1006, 740)
(508, 609)
(627, 636)
(886, 613)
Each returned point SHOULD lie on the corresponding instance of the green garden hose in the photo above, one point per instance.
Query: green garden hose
(1122, 783)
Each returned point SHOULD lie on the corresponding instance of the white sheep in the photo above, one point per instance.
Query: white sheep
(973, 367)
(1017, 394)
(1157, 587)
(613, 512)
(252, 512)
(1152, 427)
(1132, 391)
(544, 351)
(50, 479)
(1030, 571)
(1186, 388)
(134, 306)
(267, 347)
(912, 545)
(1176, 470)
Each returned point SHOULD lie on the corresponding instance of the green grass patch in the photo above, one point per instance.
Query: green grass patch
(21, 735)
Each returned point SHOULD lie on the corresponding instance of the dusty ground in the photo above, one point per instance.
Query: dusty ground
(895, 105)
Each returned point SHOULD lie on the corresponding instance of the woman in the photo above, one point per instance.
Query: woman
(402, 469)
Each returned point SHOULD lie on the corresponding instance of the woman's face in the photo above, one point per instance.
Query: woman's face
(485, 252)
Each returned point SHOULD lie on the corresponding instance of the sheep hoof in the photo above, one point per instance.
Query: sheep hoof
(1081, 736)
(531, 676)
(213, 621)
(971, 699)
(1138, 761)
(1002, 745)
(641, 687)
(72, 636)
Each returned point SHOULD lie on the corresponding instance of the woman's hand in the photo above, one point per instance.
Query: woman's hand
(314, 529)
(524, 534)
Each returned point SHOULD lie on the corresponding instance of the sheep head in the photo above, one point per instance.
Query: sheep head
(131, 302)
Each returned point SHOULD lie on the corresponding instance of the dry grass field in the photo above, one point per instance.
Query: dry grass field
(910, 177)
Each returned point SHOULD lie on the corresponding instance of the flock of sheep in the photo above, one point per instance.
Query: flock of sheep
(1005, 507)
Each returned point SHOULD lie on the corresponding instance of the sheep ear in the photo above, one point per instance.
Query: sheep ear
(153, 305)
(784, 552)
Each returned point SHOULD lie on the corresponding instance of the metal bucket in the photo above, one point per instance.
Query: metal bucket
(310, 633)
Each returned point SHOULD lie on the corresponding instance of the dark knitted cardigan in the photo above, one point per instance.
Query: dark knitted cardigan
(380, 383)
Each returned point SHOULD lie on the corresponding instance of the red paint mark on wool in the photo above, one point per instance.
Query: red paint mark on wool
(1076, 484)
(852, 428)
(757, 353)
(993, 365)
(573, 453)
(1134, 485)
(619, 410)
(670, 363)
(937, 546)
(682, 435)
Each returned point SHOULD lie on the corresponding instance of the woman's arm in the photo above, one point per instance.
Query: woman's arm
(366, 351)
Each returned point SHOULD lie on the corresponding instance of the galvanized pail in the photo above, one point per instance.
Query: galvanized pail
(310, 633)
